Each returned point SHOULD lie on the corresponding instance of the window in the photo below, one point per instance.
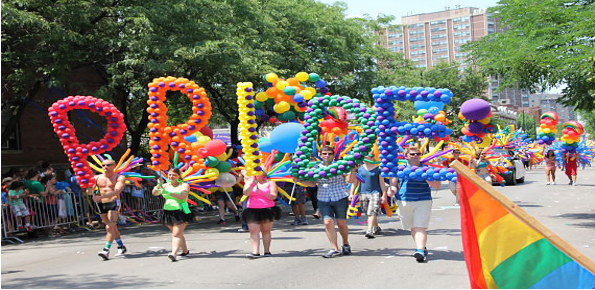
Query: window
(417, 25)
(438, 29)
(438, 36)
(439, 43)
(462, 33)
(420, 65)
(419, 59)
(395, 42)
(437, 22)
(460, 19)
(418, 52)
(416, 39)
(463, 40)
(460, 26)
(395, 49)
(395, 35)
(439, 50)
(461, 54)
(416, 46)
(440, 57)
(414, 32)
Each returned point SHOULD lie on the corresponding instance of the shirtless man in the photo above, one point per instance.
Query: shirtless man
(110, 186)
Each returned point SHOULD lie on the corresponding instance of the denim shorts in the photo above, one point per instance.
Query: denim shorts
(334, 209)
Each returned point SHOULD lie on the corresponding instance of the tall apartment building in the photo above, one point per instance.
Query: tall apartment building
(548, 102)
(430, 38)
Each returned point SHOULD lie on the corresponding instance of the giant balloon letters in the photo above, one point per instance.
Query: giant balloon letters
(78, 153)
(429, 102)
(162, 136)
(307, 140)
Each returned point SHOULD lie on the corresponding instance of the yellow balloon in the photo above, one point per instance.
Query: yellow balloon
(283, 106)
(485, 121)
(212, 171)
(546, 130)
(307, 94)
(312, 90)
(222, 157)
(262, 96)
(213, 189)
(271, 77)
(281, 85)
(302, 76)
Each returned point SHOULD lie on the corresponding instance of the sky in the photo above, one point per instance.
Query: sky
(399, 8)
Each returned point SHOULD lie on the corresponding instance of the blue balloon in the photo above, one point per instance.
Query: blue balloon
(265, 145)
(285, 137)
(427, 105)
(190, 138)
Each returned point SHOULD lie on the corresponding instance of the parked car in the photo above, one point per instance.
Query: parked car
(517, 174)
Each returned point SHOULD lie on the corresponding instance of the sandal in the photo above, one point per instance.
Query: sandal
(185, 254)
(316, 216)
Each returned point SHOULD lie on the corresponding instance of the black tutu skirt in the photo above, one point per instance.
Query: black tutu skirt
(259, 215)
(175, 217)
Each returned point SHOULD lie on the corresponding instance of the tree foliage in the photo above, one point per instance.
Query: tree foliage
(544, 44)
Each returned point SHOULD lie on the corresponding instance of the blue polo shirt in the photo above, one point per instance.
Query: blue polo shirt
(413, 190)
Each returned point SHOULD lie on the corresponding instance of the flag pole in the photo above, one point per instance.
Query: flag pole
(522, 215)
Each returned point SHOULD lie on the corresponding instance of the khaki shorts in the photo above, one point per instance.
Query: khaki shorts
(415, 214)
(370, 203)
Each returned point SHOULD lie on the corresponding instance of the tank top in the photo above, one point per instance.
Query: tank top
(371, 182)
(550, 161)
(258, 199)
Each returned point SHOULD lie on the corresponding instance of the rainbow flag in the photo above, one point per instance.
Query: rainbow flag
(503, 252)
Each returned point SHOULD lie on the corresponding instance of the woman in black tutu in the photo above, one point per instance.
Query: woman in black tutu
(260, 212)
(176, 213)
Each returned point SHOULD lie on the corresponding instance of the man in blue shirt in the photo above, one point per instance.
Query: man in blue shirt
(415, 204)
(333, 203)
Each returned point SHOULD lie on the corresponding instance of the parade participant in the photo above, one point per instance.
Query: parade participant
(550, 167)
(456, 155)
(223, 200)
(571, 165)
(415, 204)
(176, 212)
(107, 200)
(298, 206)
(333, 203)
(260, 212)
(480, 163)
(373, 193)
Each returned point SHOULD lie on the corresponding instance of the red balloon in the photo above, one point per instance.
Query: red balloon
(215, 147)
(206, 131)
(202, 152)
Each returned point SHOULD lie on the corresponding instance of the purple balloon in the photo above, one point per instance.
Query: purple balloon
(475, 109)
(476, 128)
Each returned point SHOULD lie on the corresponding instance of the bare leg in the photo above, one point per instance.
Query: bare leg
(331, 233)
(344, 230)
(372, 222)
(221, 206)
(178, 241)
(254, 229)
(420, 236)
(547, 175)
(266, 228)
(302, 209)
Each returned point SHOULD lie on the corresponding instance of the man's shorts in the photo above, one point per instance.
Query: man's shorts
(334, 209)
(299, 195)
(370, 203)
(109, 206)
(415, 214)
(19, 210)
(220, 195)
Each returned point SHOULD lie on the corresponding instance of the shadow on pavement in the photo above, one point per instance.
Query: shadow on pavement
(92, 280)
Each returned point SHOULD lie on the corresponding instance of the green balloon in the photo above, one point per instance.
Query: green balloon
(289, 115)
(224, 166)
(212, 161)
(289, 90)
(279, 157)
(422, 112)
(258, 105)
(313, 77)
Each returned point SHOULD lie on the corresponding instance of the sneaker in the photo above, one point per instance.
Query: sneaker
(377, 230)
(296, 222)
(574, 184)
(185, 254)
(369, 234)
(121, 251)
(304, 221)
(104, 254)
(346, 249)
(237, 218)
(553, 183)
(172, 258)
(332, 253)
(419, 255)
(570, 183)
(547, 183)
(267, 254)
(221, 222)
(242, 230)
(252, 256)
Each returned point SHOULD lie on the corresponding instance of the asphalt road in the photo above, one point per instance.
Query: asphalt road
(217, 253)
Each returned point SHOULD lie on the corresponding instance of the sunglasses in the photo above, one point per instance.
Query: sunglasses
(414, 154)
(106, 165)
(327, 153)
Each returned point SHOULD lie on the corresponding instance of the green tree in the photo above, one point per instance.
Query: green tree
(544, 44)
(588, 121)
(528, 124)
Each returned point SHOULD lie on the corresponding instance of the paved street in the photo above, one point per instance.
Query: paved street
(217, 253)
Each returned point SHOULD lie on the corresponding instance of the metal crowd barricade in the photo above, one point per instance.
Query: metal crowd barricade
(77, 209)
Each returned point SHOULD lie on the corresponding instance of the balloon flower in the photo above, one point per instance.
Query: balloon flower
(78, 153)
(572, 134)
(476, 113)
(547, 128)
